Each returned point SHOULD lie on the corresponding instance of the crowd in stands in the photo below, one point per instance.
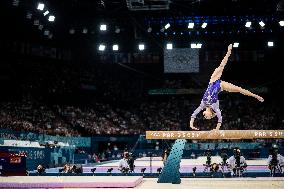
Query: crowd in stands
(122, 106)
(102, 118)
(31, 116)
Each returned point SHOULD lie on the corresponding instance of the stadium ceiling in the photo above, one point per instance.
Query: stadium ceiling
(185, 7)
(82, 18)
(194, 7)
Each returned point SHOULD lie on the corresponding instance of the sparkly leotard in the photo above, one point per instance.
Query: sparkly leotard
(211, 94)
(210, 99)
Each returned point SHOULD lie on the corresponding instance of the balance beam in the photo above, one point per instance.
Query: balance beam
(213, 135)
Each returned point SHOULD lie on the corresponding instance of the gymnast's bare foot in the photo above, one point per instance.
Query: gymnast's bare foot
(260, 98)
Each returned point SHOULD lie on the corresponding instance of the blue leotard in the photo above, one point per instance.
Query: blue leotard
(211, 94)
(210, 99)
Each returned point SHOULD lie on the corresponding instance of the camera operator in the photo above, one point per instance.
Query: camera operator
(275, 161)
(166, 155)
(77, 169)
(224, 156)
(208, 160)
(237, 163)
(131, 162)
(123, 163)
(208, 157)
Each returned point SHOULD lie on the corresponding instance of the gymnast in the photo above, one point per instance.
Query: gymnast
(210, 100)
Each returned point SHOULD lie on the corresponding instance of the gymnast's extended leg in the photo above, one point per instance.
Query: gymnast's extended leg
(236, 89)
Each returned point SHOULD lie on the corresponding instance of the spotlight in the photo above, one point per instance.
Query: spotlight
(190, 25)
(45, 13)
(103, 27)
(102, 47)
(195, 46)
(40, 6)
(261, 23)
(236, 45)
(204, 25)
(141, 47)
(115, 47)
(167, 25)
(281, 23)
(248, 24)
(198, 45)
(270, 43)
(51, 18)
(109, 171)
(159, 170)
(169, 46)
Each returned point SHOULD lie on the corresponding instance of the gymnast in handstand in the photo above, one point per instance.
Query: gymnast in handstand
(210, 100)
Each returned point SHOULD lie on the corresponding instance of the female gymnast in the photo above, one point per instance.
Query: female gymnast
(210, 100)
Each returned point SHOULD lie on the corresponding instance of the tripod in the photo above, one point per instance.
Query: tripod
(151, 156)
(274, 169)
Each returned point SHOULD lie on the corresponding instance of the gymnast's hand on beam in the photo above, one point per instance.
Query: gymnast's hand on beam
(217, 127)
(191, 124)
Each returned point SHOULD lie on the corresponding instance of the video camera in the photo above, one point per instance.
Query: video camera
(208, 154)
(224, 157)
(239, 166)
(237, 155)
(40, 169)
(130, 162)
(125, 170)
(208, 160)
(77, 169)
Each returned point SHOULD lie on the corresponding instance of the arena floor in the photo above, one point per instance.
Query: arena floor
(192, 183)
(215, 183)
(186, 165)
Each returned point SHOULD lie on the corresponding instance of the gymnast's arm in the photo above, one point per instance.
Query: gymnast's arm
(219, 116)
(194, 114)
